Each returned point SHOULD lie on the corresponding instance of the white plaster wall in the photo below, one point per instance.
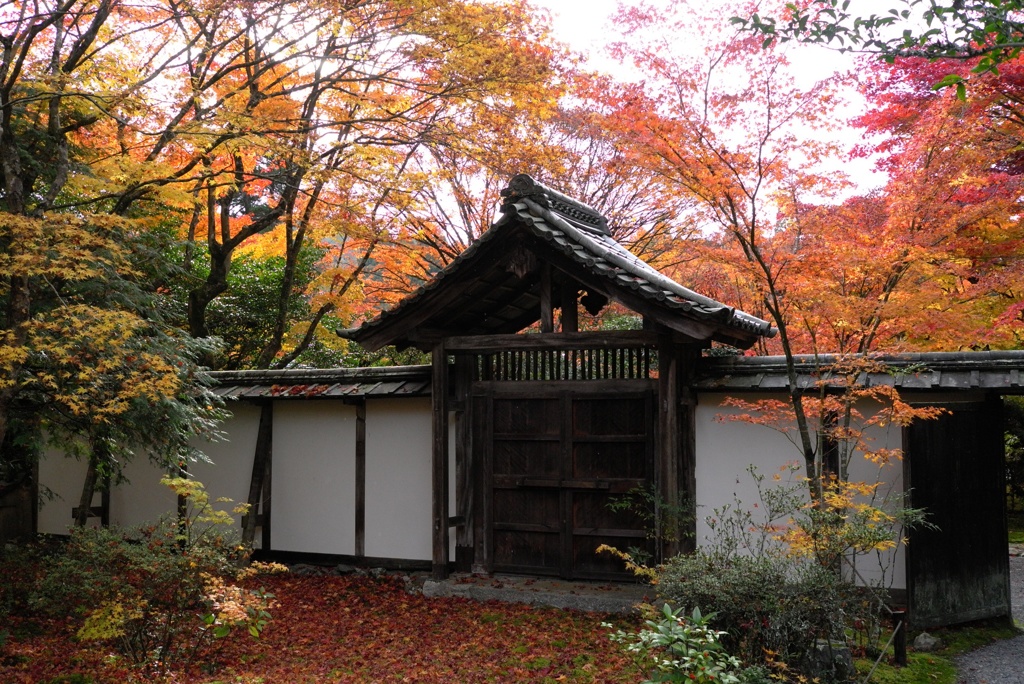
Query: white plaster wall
(139, 500)
(726, 448)
(398, 478)
(885, 568)
(142, 499)
(229, 471)
(63, 476)
(313, 481)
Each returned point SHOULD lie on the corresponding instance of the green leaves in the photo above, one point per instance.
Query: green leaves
(989, 31)
(681, 648)
(953, 80)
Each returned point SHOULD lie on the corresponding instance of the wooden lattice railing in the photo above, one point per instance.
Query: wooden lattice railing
(573, 364)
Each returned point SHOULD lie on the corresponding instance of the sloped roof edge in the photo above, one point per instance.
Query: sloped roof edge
(995, 370)
(327, 383)
(580, 232)
(977, 370)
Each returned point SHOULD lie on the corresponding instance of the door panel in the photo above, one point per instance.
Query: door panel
(614, 417)
(611, 461)
(557, 462)
(526, 552)
(519, 458)
(527, 417)
(955, 468)
(527, 528)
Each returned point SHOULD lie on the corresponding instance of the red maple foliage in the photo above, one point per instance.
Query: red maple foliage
(352, 629)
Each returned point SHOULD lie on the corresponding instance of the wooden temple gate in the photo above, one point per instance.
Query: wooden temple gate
(550, 430)
(551, 438)
(561, 436)
(552, 426)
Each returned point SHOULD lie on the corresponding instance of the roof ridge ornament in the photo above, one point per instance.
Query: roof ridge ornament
(577, 213)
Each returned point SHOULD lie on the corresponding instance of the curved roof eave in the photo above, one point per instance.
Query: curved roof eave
(580, 233)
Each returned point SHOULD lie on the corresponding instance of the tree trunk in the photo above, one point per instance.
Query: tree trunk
(84, 510)
(97, 455)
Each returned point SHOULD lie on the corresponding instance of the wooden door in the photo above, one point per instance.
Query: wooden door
(555, 463)
(954, 467)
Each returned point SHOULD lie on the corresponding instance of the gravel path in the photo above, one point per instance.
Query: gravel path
(1003, 661)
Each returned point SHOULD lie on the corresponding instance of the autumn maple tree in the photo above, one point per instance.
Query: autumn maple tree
(948, 221)
(291, 128)
(87, 354)
(930, 261)
(726, 127)
(565, 138)
(147, 148)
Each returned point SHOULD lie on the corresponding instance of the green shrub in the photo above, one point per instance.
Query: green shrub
(675, 647)
(764, 605)
(162, 592)
(20, 566)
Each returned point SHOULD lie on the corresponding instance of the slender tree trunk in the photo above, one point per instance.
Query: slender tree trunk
(88, 488)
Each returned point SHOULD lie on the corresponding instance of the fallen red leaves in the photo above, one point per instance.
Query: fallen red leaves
(334, 629)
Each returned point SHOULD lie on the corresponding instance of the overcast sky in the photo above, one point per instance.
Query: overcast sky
(586, 26)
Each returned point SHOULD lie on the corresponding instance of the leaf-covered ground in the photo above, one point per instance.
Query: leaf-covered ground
(351, 629)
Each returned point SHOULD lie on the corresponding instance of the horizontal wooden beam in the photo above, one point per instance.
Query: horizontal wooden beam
(94, 512)
(550, 388)
(615, 339)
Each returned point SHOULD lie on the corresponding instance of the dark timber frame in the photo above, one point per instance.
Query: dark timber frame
(353, 387)
(958, 574)
(574, 425)
(953, 468)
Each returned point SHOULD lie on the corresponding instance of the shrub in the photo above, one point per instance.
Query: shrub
(20, 565)
(680, 648)
(162, 592)
(763, 605)
(776, 574)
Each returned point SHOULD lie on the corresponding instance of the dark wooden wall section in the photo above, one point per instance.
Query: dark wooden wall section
(955, 470)
(17, 510)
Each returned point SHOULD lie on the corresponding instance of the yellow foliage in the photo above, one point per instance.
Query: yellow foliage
(262, 568)
(64, 247)
(848, 518)
(108, 621)
(95, 367)
(649, 575)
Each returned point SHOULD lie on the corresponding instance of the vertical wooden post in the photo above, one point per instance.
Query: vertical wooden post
(570, 308)
(565, 460)
(105, 503)
(483, 497)
(265, 501)
(439, 405)
(360, 478)
(686, 412)
(899, 646)
(465, 463)
(182, 503)
(34, 505)
(547, 314)
(667, 458)
(258, 481)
